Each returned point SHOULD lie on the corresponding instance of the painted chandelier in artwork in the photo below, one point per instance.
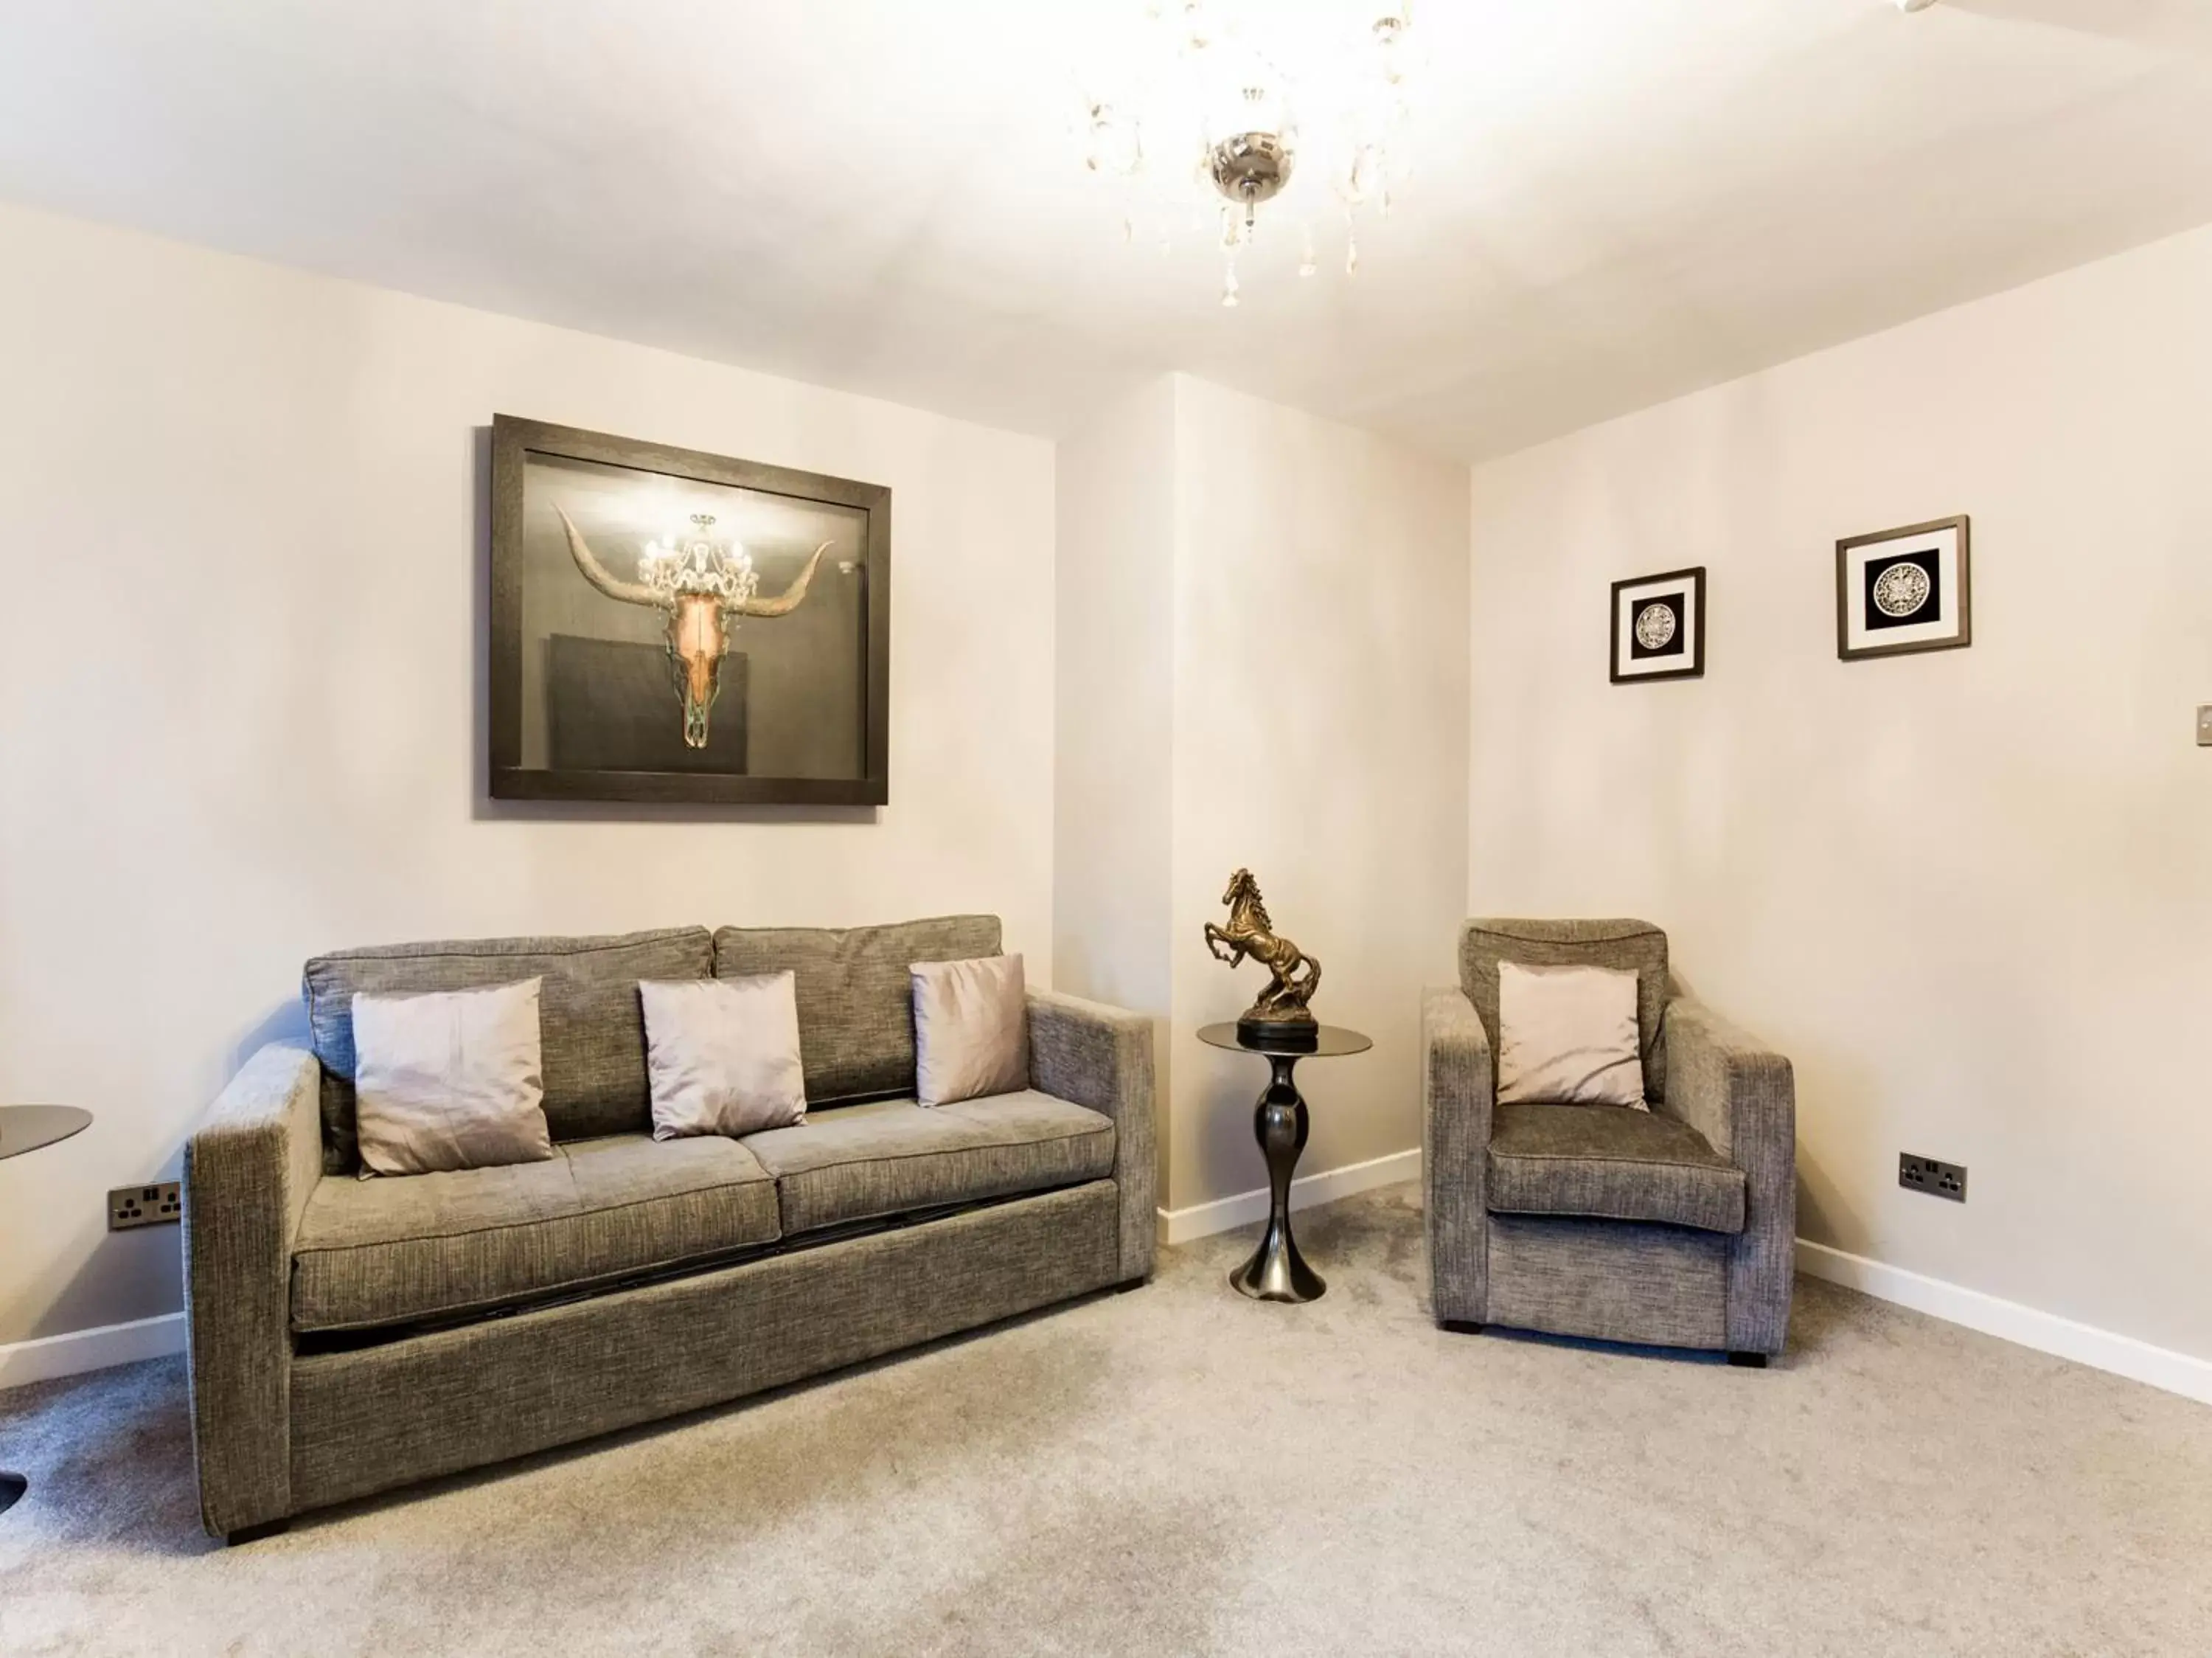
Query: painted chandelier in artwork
(1203, 112)
(703, 586)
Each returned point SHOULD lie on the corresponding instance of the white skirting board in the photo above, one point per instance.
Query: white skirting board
(91, 1349)
(2047, 1333)
(2176, 1373)
(1246, 1208)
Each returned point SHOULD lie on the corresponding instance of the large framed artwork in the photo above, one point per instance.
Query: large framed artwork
(1659, 626)
(669, 626)
(1904, 590)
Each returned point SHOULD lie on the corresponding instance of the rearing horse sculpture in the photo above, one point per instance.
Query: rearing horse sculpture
(1250, 933)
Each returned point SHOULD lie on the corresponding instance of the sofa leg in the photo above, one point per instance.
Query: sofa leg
(1461, 1326)
(255, 1534)
(1133, 1284)
(1749, 1361)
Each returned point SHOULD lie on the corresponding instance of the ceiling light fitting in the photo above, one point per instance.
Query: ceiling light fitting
(1206, 91)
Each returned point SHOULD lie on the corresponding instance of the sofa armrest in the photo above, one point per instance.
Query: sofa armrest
(1101, 1057)
(1457, 1093)
(1743, 1097)
(248, 1171)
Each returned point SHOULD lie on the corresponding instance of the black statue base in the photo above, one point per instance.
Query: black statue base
(12, 1487)
(1279, 1032)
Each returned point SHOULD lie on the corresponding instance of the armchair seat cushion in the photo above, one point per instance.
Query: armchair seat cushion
(893, 1156)
(371, 1254)
(1608, 1162)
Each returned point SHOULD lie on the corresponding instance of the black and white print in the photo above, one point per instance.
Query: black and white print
(1659, 626)
(1903, 590)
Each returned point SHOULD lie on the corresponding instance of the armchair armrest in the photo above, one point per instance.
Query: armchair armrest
(1101, 1057)
(248, 1171)
(1742, 1096)
(1458, 1091)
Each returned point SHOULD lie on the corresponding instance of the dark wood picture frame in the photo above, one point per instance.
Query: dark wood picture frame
(513, 441)
(1694, 664)
(1845, 598)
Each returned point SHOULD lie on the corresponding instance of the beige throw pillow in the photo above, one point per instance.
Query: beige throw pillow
(1567, 1036)
(971, 1029)
(450, 1080)
(722, 1054)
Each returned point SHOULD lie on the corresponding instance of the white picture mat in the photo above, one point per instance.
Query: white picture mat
(1944, 623)
(1633, 598)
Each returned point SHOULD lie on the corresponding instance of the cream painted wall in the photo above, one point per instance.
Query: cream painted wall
(1320, 740)
(1114, 707)
(1262, 660)
(1970, 893)
(240, 527)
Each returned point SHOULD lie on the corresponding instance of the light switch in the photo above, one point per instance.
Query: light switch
(2204, 726)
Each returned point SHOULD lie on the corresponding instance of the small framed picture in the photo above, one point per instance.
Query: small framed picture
(1659, 626)
(1903, 590)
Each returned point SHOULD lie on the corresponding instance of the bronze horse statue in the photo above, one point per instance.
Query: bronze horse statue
(1250, 933)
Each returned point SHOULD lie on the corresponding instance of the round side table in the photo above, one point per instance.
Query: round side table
(1277, 1272)
(27, 1128)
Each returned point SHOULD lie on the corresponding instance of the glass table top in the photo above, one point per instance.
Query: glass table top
(27, 1128)
(1330, 1042)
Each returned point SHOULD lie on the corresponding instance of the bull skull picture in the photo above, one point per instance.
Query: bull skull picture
(704, 587)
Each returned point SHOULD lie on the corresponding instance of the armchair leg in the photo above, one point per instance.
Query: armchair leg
(1749, 1361)
(1461, 1326)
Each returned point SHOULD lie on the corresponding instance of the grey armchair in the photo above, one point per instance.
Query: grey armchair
(1674, 1228)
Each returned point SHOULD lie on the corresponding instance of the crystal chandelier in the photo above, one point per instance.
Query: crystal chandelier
(1206, 115)
(693, 562)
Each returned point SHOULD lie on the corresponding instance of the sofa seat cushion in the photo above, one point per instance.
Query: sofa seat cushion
(892, 1156)
(1608, 1162)
(396, 1250)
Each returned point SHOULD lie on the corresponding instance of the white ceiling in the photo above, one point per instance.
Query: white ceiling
(1616, 200)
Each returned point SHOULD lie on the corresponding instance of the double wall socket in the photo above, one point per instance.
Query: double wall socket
(1936, 1180)
(160, 1204)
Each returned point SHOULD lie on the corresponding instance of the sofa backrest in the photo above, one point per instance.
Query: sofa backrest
(593, 1025)
(855, 999)
(1630, 946)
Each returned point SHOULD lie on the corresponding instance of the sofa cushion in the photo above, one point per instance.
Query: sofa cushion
(861, 1163)
(1635, 945)
(1604, 1161)
(394, 1250)
(594, 1033)
(855, 1001)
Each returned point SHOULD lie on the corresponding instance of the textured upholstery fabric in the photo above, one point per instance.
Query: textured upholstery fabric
(386, 1416)
(1636, 945)
(593, 1032)
(250, 1169)
(891, 1156)
(400, 1407)
(1612, 1164)
(1568, 1036)
(1743, 1097)
(722, 1055)
(372, 1252)
(1614, 1280)
(1456, 1107)
(855, 1002)
(971, 1035)
(450, 1079)
(1101, 1057)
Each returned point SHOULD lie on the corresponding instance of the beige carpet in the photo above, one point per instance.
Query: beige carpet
(1179, 1471)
